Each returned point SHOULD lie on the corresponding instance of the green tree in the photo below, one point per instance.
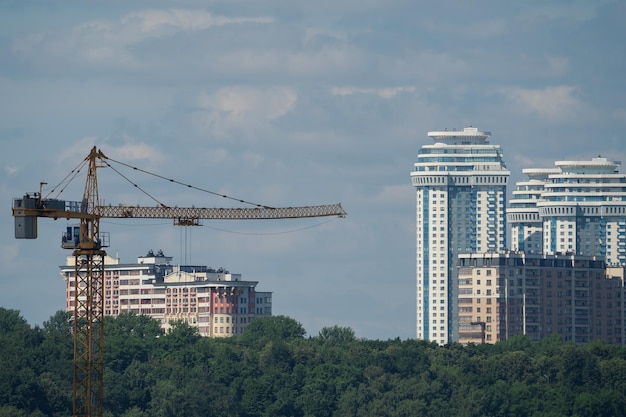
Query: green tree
(135, 412)
(19, 363)
(579, 369)
(12, 411)
(129, 324)
(274, 371)
(129, 337)
(337, 334)
(272, 328)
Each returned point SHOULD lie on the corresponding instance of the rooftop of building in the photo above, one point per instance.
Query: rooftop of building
(540, 173)
(152, 260)
(467, 134)
(594, 166)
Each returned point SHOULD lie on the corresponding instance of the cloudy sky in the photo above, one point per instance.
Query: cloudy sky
(286, 103)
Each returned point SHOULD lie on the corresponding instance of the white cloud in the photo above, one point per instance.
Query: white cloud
(385, 92)
(134, 152)
(269, 103)
(315, 34)
(557, 65)
(328, 60)
(137, 42)
(554, 103)
(107, 42)
(76, 152)
(159, 22)
(127, 152)
(10, 170)
(243, 107)
(430, 67)
(9, 252)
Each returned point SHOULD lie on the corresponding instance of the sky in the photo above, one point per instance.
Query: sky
(289, 103)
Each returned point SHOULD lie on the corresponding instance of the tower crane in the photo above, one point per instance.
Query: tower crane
(87, 243)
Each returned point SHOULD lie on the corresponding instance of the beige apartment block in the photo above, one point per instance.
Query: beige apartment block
(513, 293)
(217, 302)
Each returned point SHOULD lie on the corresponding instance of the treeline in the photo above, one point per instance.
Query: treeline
(274, 369)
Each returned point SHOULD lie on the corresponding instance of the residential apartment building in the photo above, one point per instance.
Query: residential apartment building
(513, 293)
(578, 207)
(523, 214)
(613, 308)
(215, 301)
(460, 182)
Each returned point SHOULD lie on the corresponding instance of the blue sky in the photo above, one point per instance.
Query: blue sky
(290, 103)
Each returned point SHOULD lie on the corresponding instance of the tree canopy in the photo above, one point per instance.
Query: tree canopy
(274, 370)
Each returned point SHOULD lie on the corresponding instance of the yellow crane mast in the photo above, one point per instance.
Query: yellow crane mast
(87, 243)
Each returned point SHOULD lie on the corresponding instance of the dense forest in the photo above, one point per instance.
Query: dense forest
(275, 369)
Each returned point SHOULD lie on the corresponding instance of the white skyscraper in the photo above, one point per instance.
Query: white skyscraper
(460, 181)
(583, 210)
(578, 207)
(523, 213)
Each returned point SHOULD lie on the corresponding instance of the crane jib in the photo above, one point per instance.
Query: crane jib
(26, 210)
(219, 213)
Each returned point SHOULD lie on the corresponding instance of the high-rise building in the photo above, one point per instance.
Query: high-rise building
(583, 209)
(505, 294)
(215, 301)
(578, 207)
(460, 182)
(523, 214)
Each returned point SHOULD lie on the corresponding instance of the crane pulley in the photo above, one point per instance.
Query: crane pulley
(87, 243)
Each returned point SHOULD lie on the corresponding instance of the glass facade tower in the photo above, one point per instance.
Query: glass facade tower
(583, 209)
(460, 181)
(523, 213)
(578, 207)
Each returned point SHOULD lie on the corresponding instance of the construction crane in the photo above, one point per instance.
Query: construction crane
(87, 243)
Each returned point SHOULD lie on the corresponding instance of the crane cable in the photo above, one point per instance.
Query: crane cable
(218, 229)
(65, 182)
(186, 185)
(272, 233)
(135, 185)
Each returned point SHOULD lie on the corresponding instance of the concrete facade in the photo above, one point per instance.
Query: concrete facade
(513, 293)
(460, 182)
(215, 301)
(577, 207)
